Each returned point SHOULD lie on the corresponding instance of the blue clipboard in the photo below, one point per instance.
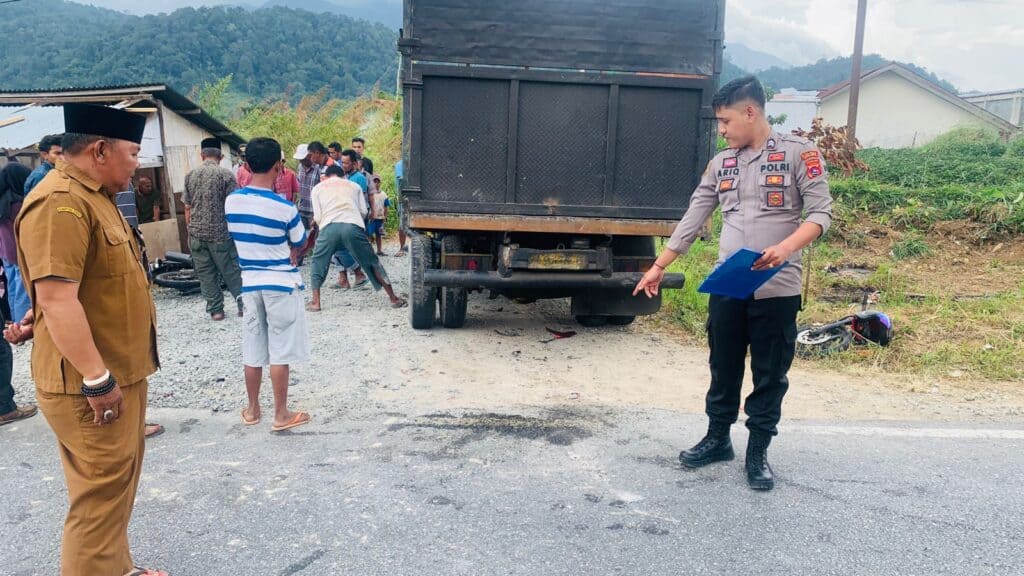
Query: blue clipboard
(735, 279)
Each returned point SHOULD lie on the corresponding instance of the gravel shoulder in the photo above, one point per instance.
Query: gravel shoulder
(365, 355)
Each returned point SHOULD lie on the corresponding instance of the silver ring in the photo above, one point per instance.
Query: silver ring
(108, 415)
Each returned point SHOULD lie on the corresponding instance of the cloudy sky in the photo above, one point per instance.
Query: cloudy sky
(976, 44)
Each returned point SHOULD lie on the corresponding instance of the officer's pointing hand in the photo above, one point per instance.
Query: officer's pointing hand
(650, 283)
(772, 257)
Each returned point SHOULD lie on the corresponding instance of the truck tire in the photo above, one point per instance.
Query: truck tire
(454, 300)
(423, 299)
(621, 320)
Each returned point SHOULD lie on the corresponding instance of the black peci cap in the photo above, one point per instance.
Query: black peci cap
(104, 121)
(210, 143)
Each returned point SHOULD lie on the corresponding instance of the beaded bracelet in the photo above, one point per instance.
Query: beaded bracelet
(100, 390)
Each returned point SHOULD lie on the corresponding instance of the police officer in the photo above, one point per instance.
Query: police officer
(774, 195)
(95, 331)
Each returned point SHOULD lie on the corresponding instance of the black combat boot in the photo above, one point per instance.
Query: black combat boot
(714, 447)
(759, 473)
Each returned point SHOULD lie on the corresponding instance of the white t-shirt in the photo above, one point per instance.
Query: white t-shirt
(337, 200)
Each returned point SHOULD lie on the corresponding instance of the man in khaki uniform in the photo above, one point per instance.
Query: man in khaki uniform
(95, 332)
(774, 194)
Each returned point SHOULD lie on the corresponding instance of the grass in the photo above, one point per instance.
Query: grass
(966, 178)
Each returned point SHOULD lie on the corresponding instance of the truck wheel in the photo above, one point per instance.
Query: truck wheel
(590, 321)
(453, 299)
(423, 299)
(621, 320)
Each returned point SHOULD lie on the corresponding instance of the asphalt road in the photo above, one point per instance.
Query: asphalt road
(581, 490)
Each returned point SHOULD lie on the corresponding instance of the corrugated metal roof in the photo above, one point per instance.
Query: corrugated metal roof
(112, 94)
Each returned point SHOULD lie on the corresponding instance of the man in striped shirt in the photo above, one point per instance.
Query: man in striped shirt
(268, 234)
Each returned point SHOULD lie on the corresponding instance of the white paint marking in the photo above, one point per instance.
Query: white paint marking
(882, 431)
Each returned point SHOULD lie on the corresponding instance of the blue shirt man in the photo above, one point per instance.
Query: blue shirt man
(49, 151)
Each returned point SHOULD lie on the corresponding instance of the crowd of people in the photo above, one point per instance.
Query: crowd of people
(77, 283)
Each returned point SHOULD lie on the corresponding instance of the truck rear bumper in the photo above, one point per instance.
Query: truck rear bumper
(541, 280)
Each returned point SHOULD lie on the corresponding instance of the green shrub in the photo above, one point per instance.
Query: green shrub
(1015, 149)
(969, 141)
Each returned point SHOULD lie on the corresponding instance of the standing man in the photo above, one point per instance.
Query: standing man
(287, 184)
(95, 332)
(359, 145)
(269, 234)
(765, 182)
(49, 151)
(334, 151)
(402, 236)
(12, 194)
(213, 253)
(148, 201)
(312, 159)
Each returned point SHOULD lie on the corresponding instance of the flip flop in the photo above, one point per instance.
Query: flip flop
(158, 430)
(298, 419)
(248, 422)
(361, 283)
(147, 572)
(310, 308)
(337, 286)
(402, 303)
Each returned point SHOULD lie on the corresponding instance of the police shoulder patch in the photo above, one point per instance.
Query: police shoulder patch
(812, 163)
(69, 210)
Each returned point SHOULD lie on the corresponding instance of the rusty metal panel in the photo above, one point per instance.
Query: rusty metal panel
(179, 161)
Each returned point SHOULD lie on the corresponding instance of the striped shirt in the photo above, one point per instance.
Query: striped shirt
(265, 227)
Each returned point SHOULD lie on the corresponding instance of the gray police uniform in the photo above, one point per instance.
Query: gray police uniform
(765, 194)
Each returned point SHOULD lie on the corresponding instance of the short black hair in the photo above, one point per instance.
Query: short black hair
(739, 90)
(317, 146)
(50, 141)
(334, 170)
(73, 143)
(261, 154)
(351, 154)
(367, 164)
(359, 139)
(334, 146)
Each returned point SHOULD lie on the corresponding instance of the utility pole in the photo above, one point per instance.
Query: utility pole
(858, 55)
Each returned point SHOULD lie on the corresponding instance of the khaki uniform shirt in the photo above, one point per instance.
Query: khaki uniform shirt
(764, 195)
(69, 228)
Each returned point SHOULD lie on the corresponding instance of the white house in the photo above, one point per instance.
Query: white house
(800, 107)
(175, 126)
(900, 109)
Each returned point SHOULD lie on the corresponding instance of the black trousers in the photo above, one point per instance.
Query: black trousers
(768, 328)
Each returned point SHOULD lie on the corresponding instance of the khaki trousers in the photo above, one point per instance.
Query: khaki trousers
(102, 466)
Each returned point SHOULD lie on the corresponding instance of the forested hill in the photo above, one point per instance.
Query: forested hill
(269, 52)
(825, 73)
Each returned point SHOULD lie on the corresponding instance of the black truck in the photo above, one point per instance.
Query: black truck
(547, 143)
